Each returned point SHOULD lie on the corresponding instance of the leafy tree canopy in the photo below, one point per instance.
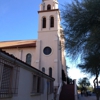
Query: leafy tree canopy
(84, 83)
(82, 26)
(91, 64)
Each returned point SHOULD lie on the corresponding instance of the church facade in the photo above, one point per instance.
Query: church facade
(21, 81)
(47, 52)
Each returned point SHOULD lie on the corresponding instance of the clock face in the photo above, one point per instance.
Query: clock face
(47, 50)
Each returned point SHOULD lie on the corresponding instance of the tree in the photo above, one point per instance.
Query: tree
(84, 83)
(82, 26)
(90, 88)
(91, 65)
(82, 32)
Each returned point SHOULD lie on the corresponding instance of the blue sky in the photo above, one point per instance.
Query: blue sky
(19, 21)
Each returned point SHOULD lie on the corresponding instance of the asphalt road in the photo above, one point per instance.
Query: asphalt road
(87, 97)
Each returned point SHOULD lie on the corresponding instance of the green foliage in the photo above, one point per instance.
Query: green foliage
(91, 64)
(82, 26)
(83, 83)
(79, 88)
(90, 88)
(82, 33)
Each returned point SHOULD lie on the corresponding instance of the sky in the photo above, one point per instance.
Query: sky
(19, 21)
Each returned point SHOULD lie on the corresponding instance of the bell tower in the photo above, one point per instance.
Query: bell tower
(49, 18)
(48, 45)
(52, 3)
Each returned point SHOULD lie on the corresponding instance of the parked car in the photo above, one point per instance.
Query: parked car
(89, 93)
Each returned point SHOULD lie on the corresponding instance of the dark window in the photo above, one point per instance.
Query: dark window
(52, 22)
(43, 69)
(9, 76)
(37, 84)
(44, 23)
(47, 50)
(28, 58)
(6, 82)
(50, 72)
(50, 86)
(48, 7)
(34, 90)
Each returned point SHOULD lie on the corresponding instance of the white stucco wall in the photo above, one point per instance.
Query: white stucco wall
(55, 14)
(25, 88)
(21, 53)
(49, 37)
(53, 60)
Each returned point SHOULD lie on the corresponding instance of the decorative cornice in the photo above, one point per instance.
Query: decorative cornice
(48, 10)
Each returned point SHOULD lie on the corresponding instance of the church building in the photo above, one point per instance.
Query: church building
(47, 52)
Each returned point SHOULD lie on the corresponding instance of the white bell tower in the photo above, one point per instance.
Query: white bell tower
(53, 3)
(48, 45)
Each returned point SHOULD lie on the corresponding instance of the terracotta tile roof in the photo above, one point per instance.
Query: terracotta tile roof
(25, 63)
(18, 44)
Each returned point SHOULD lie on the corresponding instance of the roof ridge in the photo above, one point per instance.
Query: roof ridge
(19, 40)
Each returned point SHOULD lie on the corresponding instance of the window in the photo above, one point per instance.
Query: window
(43, 69)
(28, 58)
(47, 50)
(44, 23)
(52, 22)
(48, 7)
(37, 84)
(8, 80)
(50, 72)
(43, 6)
(50, 86)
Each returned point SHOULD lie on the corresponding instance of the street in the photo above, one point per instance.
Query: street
(87, 97)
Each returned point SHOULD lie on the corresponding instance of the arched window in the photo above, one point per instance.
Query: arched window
(43, 6)
(28, 58)
(48, 7)
(50, 72)
(52, 22)
(44, 23)
(43, 70)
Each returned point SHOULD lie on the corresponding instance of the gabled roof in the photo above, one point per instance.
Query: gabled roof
(18, 44)
(16, 60)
